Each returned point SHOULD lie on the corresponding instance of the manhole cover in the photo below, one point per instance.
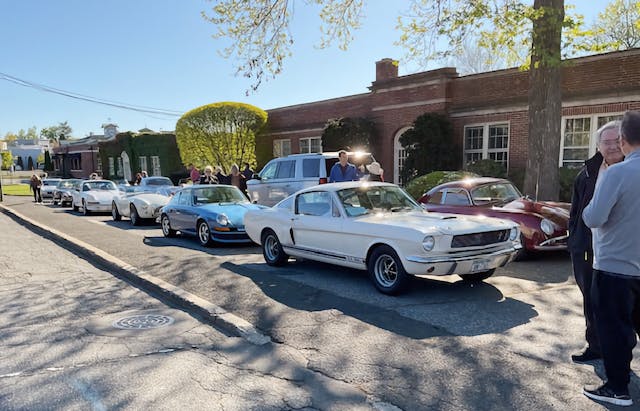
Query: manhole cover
(143, 322)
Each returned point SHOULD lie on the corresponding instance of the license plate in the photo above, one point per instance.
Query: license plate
(479, 265)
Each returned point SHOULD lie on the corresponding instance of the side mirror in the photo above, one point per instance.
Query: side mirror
(256, 177)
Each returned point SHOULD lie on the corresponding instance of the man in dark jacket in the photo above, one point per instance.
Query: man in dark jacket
(580, 240)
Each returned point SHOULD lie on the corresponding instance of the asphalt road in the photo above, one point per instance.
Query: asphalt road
(446, 344)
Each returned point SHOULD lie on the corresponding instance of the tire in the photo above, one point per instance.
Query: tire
(75, 207)
(133, 215)
(477, 277)
(203, 232)
(386, 271)
(54, 202)
(84, 208)
(272, 249)
(166, 227)
(115, 214)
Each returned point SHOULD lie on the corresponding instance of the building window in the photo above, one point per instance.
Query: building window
(112, 168)
(487, 141)
(155, 165)
(578, 140)
(311, 145)
(602, 120)
(281, 148)
(120, 169)
(142, 162)
(75, 163)
(399, 156)
(99, 165)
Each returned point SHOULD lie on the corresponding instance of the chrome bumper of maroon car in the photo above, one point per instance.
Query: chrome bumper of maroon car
(555, 243)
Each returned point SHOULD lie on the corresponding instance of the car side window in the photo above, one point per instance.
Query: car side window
(435, 198)
(456, 197)
(269, 171)
(86, 187)
(317, 203)
(184, 198)
(286, 169)
(311, 167)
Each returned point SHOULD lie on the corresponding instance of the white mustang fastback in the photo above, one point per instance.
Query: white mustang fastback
(380, 228)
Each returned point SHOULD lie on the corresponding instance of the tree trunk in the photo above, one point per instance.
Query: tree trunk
(545, 101)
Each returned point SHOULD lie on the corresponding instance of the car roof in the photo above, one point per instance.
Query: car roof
(346, 184)
(97, 181)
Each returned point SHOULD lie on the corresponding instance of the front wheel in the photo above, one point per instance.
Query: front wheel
(522, 253)
(477, 277)
(386, 271)
(166, 227)
(204, 234)
(84, 208)
(75, 207)
(272, 249)
(115, 214)
(135, 218)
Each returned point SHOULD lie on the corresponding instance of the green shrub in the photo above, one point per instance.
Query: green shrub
(567, 177)
(487, 168)
(420, 185)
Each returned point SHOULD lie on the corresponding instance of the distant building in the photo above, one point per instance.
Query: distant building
(78, 158)
(489, 111)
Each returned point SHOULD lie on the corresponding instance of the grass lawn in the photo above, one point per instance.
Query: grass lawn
(16, 190)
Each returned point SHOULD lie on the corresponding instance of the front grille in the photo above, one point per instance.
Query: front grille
(479, 239)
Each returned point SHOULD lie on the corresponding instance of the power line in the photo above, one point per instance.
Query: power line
(96, 100)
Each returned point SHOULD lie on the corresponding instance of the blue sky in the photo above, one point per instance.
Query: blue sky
(160, 53)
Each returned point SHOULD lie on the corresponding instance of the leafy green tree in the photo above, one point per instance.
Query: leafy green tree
(7, 159)
(40, 159)
(59, 132)
(260, 40)
(428, 146)
(348, 133)
(617, 27)
(9, 137)
(220, 134)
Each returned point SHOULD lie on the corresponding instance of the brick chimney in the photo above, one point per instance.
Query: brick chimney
(386, 69)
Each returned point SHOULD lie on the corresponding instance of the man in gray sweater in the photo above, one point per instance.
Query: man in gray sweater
(614, 216)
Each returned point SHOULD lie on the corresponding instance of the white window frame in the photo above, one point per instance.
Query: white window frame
(142, 163)
(278, 147)
(155, 166)
(112, 167)
(120, 167)
(310, 144)
(592, 133)
(485, 150)
(399, 154)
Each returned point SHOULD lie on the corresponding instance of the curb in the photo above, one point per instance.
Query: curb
(191, 303)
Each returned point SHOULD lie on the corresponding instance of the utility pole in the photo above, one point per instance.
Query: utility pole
(1, 198)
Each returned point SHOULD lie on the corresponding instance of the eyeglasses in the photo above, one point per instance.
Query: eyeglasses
(610, 143)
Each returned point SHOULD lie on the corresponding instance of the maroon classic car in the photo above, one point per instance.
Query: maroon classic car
(543, 224)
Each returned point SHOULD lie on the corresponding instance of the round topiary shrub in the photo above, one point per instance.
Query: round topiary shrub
(420, 185)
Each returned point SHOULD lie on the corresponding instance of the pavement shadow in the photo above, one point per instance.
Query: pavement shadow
(190, 242)
(403, 315)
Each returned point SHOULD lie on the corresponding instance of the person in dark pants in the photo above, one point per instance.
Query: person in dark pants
(614, 217)
(35, 184)
(580, 241)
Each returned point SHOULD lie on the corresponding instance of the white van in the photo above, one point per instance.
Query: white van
(283, 176)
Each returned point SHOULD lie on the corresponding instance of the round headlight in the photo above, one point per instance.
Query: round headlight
(428, 243)
(222, 219)
(513, 234)
(546, 226)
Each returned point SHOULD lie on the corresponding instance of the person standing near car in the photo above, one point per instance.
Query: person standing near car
(343, 170)
(236, 178)
(375, 172)
(247, 172)
(580, 240)
(208, 177)
(35, 184)
(614, 216)
(194, 174)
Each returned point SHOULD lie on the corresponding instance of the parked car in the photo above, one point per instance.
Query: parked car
(94, 196)
(543, 224)
(159, 185)
(283, 176)
(123, 185)
(213, 213)
(48, 187)
(378, 227)
(138, 207)
(62, 194)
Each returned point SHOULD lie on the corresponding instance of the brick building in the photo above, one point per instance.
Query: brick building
(488, 110)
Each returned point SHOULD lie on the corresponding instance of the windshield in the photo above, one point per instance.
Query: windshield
(98, 185)
(367, 199)
(66, 184)
(156, 181)
(50, 182)
(495, 193)
(218, 194)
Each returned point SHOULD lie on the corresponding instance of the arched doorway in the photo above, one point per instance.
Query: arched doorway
(126, 166)
(399, 156)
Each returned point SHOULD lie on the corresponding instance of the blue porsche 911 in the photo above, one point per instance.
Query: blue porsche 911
(213, 213)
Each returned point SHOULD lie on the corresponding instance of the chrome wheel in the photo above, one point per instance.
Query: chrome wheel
(135, 218)
(84, 208)
(386, 270)
(204, 233)
(272, 249)
(114, 212)
(166, 227)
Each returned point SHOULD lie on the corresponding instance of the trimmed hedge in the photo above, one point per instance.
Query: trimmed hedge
(420, 185)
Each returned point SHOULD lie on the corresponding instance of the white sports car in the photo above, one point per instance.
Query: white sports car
(139, 207)
(94, 196)
(380, 228)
